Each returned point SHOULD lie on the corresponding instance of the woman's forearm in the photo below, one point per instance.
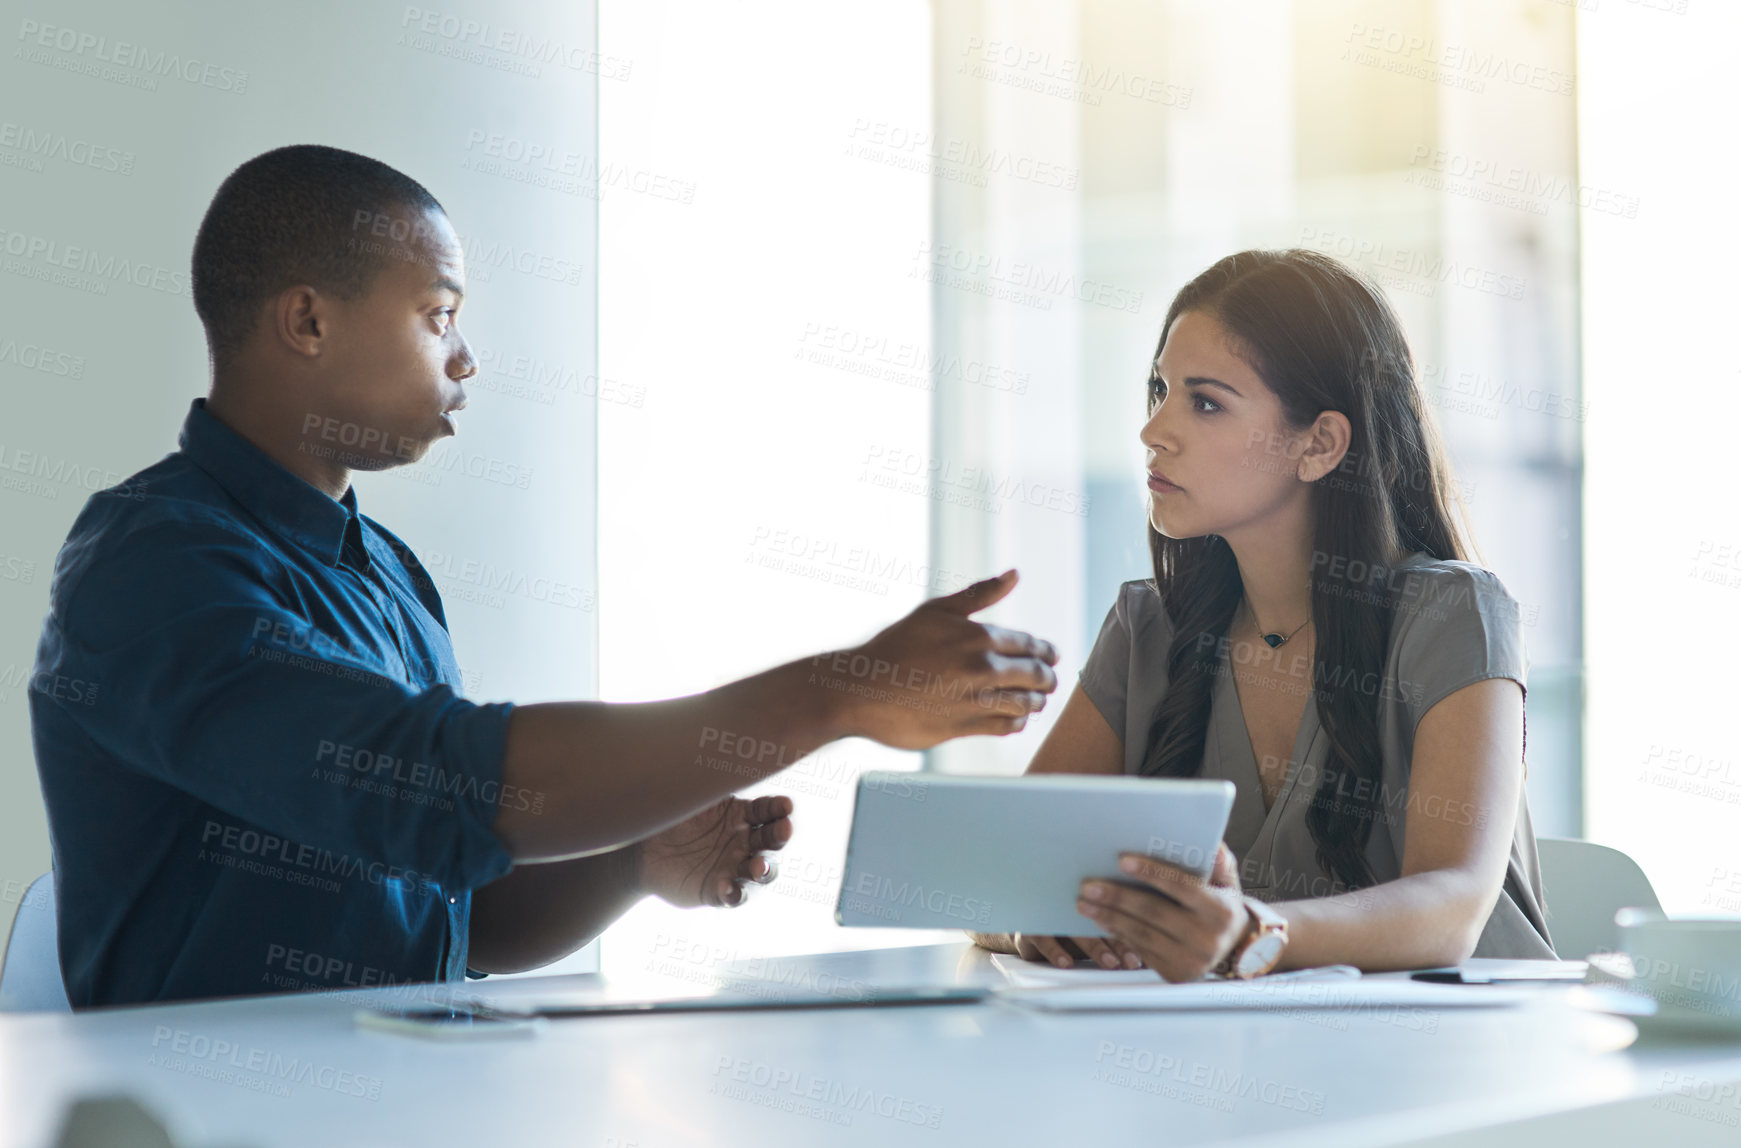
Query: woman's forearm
(994, 942)
(1418, 921)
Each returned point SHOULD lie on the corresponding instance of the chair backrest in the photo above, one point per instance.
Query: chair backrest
(30, 980)
(1583, 886)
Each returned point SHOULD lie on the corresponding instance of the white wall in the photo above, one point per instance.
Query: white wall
(754, 504)
(1008, 219)
(428, 91)
(1663, 379)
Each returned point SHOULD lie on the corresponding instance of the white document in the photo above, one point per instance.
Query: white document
(1283, 993)
(1480, 970)
(1033, 974)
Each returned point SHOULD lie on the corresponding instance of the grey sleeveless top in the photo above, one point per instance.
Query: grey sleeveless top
(1455, 625)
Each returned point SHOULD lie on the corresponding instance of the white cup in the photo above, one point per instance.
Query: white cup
(1690, 965)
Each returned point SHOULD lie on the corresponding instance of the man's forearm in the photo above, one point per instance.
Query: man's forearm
(611, 774)
(604, 775)
(541, 913)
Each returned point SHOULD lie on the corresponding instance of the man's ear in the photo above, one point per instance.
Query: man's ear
(299, 320)
(1326, 445)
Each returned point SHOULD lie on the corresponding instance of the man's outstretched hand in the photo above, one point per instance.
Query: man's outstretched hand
(707, 859)
(937, 674)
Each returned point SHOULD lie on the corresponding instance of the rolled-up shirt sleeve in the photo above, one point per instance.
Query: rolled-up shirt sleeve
(206, 675)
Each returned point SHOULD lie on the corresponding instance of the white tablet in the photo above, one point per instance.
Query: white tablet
(1009, 854)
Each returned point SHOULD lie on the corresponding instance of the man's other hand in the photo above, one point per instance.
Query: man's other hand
(709, 858)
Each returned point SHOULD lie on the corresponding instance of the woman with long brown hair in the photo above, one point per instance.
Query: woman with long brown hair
(1315, 633)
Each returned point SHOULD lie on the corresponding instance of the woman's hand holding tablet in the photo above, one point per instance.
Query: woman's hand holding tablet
(1181, 926)
(1107, 952)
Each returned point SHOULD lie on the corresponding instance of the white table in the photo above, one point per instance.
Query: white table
(957, 1074)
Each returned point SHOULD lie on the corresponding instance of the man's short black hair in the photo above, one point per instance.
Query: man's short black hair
(298, 214)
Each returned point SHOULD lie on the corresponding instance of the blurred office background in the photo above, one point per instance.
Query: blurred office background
(876, 290)
(898, 342)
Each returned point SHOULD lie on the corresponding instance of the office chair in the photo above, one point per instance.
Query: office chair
(30, 980)
(1583, 886)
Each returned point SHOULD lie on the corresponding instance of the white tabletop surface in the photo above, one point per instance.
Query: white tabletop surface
(294, 1070)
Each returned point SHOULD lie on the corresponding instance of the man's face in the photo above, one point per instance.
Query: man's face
(393, 361)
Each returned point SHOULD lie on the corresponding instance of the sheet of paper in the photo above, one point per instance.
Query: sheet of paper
(1341, 993)
(1495, 969)
(1033, 974)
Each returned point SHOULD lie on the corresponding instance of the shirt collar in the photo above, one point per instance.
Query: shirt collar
(284, 503)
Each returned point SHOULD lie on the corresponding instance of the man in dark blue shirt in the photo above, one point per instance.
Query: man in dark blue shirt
(260, 769)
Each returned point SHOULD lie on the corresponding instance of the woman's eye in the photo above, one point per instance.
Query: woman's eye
(1213, 405)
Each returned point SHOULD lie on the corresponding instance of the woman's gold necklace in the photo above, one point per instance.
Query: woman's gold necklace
(1274, 640)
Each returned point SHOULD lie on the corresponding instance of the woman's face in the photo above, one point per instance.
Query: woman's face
(1221, 457)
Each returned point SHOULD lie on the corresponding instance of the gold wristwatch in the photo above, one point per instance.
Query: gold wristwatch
(1258, 951)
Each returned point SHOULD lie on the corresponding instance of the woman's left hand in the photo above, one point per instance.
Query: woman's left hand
(1181, 925)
